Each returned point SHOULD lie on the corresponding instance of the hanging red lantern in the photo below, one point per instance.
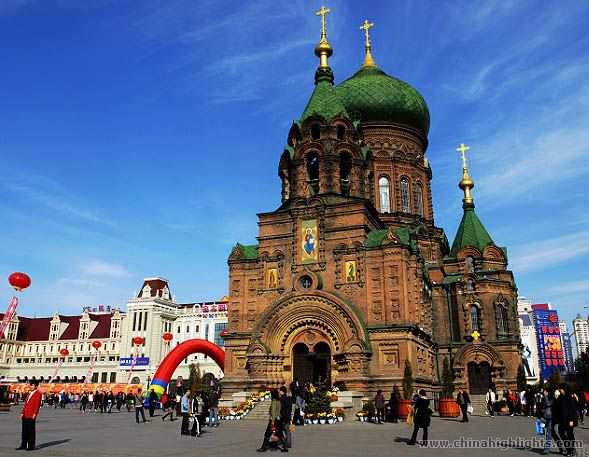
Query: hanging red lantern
(64, 352)
(167, 337)
(138, 341)
(19, 281)
(223, 333)
(96, 344)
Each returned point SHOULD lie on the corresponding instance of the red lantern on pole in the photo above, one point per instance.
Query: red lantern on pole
(168, 337)
(64, 352)
(19, 281)
(96, 344)
(138, 341)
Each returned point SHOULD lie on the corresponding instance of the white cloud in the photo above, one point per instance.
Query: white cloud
(105, 269)
(540, 255)
(571, 287)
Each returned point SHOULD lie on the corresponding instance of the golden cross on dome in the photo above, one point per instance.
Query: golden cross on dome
(366, 26)
(475, 335)
(462, 150)
(323, 11)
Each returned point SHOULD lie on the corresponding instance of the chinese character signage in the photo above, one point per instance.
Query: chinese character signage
(550, 351)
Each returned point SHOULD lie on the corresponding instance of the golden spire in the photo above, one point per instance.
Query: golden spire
(323, 49)
(466, 183)
(368, 60)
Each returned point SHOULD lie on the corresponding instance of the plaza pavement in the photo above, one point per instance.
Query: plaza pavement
(67, 433)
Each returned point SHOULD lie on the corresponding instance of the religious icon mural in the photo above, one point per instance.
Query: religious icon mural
(350, 271)
(272, 278)
(309, 241)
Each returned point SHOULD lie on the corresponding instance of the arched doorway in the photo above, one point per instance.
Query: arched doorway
(479, 377)
(312, 365)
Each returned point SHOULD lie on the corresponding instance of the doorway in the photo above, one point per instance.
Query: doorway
(479, 377)
(312, 366)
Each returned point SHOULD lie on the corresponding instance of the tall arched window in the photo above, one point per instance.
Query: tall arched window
(503, 318)
(341, 131)
(405, 197)
(475, 318)
(419, 199)
(385, 196)
(470, 264)
(345, 166)
(315, 131)
(313, 171)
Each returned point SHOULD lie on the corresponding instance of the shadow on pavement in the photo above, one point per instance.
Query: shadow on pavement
(52, 443)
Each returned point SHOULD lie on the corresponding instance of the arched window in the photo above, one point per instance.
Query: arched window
(384, 192)
(341, 131)
(419, 199)
(345, 166)
(469, 285)
(315, 132)
(470, 264)
(313, 171)
(475, 318)
(503, 318)
(405, 197)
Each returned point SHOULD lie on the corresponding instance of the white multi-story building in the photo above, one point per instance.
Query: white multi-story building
(31, 347)
(581, 332)
(529, 340)
(152, 314)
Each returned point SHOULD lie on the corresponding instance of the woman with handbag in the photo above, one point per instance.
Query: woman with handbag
(544, 414)
(421, 418)
(274, 433)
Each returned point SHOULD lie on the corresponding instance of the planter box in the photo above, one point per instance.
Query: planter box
(404, 407)
(449, 408)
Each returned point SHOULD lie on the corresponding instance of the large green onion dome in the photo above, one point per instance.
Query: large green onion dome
(371, 95)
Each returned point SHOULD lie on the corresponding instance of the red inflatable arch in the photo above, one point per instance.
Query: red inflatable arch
(162, 376)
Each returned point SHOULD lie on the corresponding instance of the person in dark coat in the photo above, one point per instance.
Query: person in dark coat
(544, 412)
(286, 404)
(463, 400)
(421, 418)
(394, 405)
(380, 405)
(568, 420)
(152, 399)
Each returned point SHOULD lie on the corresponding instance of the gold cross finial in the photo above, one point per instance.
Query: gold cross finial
(368, 60)
(462, 150)
(466, 184)
(475, 335)
(323, 11)
(366, 26)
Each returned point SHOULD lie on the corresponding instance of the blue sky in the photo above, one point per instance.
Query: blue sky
(141, 138)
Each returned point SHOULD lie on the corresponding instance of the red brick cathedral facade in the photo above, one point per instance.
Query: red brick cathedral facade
(351, 277)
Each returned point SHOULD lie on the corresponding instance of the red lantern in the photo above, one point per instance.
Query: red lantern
(138, 341)
(96, 344)
(19, 281)
(64, 352)
(167, 337)
(223, 333)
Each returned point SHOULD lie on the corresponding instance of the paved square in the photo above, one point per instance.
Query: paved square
(67, 433)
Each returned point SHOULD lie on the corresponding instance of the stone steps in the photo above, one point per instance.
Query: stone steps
(478, 404)
(259, 412)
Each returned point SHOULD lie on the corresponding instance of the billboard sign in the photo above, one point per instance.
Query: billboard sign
(126, 362)
(550, 350)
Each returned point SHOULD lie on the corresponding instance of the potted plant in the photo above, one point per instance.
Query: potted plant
(339, 414)
(405, 403)
(448, 406)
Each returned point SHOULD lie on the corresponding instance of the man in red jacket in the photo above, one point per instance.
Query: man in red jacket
(29, 416)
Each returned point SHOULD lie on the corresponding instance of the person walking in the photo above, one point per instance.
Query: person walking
(568, 420)
(421, 418)
(138, 401)
(28, 417)
(214, 408)
(185, 411)
(394, 405)
(84, 402)
(490, 399)
(286, 407)
(151, 399)
(544, 413)
(273, 431)
(463, 401)
(197, 408)
(380, 404)
(169, 407)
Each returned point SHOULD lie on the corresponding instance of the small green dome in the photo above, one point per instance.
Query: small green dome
(371, 95)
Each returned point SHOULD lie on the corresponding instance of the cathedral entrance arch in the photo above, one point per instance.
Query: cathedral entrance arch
(479, 377)
(312, 365)
(161, 378)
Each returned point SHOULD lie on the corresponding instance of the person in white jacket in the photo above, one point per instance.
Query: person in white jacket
(491, 398)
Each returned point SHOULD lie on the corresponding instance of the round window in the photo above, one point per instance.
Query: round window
(306, 282)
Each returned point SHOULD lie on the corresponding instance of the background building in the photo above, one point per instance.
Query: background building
(581, 332)
(567, 347)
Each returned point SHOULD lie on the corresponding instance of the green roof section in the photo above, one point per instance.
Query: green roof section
(371, 95)
(247, 252)
(324, 100)
(376, 237)
(471, 232)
